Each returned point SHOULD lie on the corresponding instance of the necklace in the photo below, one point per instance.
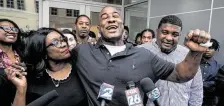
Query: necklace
(55, 81)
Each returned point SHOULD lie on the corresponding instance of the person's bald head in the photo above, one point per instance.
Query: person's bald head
(111, 24)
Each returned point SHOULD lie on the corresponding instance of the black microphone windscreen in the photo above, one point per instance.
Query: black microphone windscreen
(147, 85)
(130, 84)
(45, 99)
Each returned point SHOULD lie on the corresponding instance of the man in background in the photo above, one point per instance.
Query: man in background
(209, 69)
(166, 46)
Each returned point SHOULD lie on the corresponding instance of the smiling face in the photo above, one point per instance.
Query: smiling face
(111, 25)
(8, 32)
(168, 36)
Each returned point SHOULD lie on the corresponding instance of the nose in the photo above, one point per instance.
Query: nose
(169, 37)
(84, 26)
(63, 44)
(111, 20)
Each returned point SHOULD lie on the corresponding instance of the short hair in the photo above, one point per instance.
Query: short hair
(171, 19)
(137, 36)
(215, 44)
(126, 28)
(148, 30)
(76, 20)
(67, 31)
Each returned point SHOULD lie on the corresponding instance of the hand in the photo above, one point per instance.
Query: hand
(196, 37)
(16, 73)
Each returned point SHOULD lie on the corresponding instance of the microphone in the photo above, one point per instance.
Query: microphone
(105, 93)
(133, 95)
(45, 99)
(151, 91)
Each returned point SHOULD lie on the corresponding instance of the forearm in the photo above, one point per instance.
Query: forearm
(20, 97)
(186, 70)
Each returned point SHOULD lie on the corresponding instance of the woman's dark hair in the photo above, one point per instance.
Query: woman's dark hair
(18, 45)
(35, 50)
(137, 36)
(148, 30)
(92, 34)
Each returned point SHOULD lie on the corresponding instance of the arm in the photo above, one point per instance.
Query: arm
(196, 94)
(187, 69)
(18, 78)
(20, 97)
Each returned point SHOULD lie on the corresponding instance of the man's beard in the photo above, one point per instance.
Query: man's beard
(83, 34)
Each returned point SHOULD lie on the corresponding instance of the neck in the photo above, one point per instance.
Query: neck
(207, 59)
(80, 39)
(113, 42)
(6, 48)
(54, 66)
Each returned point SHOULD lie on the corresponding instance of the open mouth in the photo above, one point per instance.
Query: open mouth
(112, 27)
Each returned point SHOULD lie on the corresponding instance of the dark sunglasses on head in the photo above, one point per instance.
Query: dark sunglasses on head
(8, 29)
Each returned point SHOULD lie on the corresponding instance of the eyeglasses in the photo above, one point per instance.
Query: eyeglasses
(58, 42)
(174, 34)
(8, 29)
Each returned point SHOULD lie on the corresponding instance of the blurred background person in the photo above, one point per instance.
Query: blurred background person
(138, 39)
(82, 27)
(125, 34)
(147, 35)
(71, 38)
(209, 68)
(48, 53)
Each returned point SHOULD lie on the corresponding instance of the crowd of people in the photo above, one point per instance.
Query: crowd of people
(76, 63)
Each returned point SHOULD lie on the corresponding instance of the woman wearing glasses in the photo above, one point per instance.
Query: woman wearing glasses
(47, 50)
(12, 79)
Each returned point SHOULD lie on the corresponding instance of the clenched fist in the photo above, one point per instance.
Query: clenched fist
(195, 38)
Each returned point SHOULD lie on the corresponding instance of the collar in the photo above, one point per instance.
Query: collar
(209, 62)
(15, 53)
(100, 44)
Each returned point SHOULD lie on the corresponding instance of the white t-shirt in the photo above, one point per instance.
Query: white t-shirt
(115, 49)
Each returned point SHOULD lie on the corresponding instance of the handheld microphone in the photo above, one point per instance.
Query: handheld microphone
(105, 93)
(133, 95)
(45, 99)
(151, 91)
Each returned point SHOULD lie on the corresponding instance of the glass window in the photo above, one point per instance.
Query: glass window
(1, 3)
(20, 4)
(37, 6)
(68, 12)
(136, 18)
(10, 4)
(54, 11)
(76, 13)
